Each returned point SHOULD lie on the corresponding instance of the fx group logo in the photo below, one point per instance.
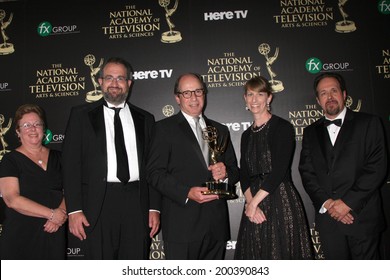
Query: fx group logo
(384, 7)
(48, 137)
(45, 28)
(314, 65)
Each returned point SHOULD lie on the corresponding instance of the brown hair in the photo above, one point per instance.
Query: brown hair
(29, 108)
(259, 84)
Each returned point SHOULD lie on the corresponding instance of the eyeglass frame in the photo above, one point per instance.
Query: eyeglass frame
(28, 125)
(187, 94)
(110, 79)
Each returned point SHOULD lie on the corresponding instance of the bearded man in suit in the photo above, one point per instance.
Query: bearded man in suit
(111, 208)
(343, 165)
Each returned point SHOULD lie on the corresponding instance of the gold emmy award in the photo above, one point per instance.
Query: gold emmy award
(5, 48)
(217, 146)
(264, 49)
(3, 131)
(170, 36)
(344, 26)
(349, 102)
(93, 95)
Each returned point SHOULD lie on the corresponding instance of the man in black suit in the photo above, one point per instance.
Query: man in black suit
(194, 225)
(343, 165)
(112, 211)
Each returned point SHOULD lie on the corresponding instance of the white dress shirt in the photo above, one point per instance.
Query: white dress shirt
(333, 131)
(130, 142)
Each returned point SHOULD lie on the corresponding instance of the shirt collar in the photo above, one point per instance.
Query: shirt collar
(122, 105)
(189, 118)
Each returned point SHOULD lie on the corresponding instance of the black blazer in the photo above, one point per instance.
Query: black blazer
(85, 160)
(281, 141)
(354, 171)
(175, 165)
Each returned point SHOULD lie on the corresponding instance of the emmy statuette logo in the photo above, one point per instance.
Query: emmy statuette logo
(217, 146)
(3, 131)
(344, 26)
(264, 49)
(349, 102)
(168, 110)
(93, 95)
(5, 47)
(170, 36)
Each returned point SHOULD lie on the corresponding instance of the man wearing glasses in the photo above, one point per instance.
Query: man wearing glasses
(110, 206)
(194, 225)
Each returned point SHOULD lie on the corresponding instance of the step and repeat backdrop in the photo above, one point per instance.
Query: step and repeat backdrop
(51, 52)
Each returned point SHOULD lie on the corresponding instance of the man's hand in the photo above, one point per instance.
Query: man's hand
(77, 221)
(218, 171)
(196, 194)
(340, 212)
(154, 222)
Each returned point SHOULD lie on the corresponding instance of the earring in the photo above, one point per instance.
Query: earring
(268, 107)
(246, 108)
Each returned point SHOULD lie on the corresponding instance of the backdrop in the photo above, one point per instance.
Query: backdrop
(51, 52)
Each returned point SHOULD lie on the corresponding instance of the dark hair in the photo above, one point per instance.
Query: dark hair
(337, 76)
(259, 84)
(29, 108)
(196, 75)
(118, 60)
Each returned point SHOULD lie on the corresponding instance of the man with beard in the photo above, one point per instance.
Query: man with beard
(343, 165)
(111, 208)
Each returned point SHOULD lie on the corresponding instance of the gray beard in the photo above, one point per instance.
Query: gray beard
(115, 100)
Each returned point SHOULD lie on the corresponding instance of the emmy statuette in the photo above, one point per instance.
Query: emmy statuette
(217, 146)
(96, 94)
(5, 47)
(171, 36)
(3, 131)
(344, 26)
(264, 49)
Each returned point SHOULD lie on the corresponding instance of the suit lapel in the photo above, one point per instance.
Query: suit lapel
(139, 121)
(96, 117)
(322, 137)
(189, 134)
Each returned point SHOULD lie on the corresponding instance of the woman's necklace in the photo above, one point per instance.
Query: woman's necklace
(35, 156)
(256, 129)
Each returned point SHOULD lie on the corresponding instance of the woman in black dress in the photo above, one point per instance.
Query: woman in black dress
(30, 184)
(274, 223)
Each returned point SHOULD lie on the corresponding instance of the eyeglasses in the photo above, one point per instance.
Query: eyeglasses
(188, 93)
(110, 79)
(30, 125)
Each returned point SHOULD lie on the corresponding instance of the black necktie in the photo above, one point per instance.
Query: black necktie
(122, 164)
(336, 122)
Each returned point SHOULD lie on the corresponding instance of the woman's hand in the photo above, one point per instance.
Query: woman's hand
(254, 214)
(50, 227)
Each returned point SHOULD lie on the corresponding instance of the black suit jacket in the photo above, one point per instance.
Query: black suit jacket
(85, 160)
(175, 165)
(353, 171)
